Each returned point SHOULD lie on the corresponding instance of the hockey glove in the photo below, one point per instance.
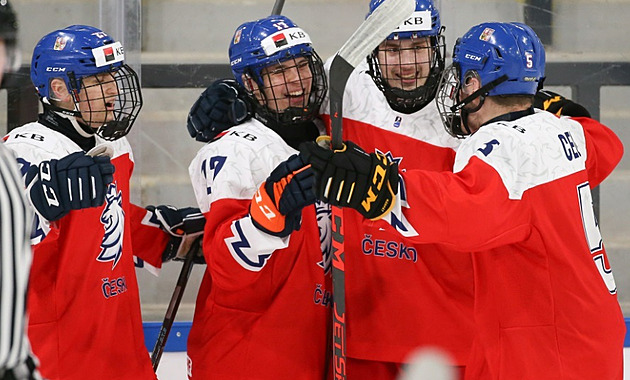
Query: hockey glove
(177, 223)
(559, 105)
(352, 178)
(74, 182)
(219, 107)
(277, 205)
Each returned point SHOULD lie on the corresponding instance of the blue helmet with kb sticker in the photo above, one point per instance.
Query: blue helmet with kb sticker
(277, 42)
(78, 52)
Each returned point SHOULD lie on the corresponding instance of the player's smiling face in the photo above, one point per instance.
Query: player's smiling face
(287, 84)
(97, 98)
(405, 63)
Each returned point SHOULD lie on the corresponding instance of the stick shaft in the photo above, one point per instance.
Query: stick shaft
(173, 305)
(277, 7)
(385, 19)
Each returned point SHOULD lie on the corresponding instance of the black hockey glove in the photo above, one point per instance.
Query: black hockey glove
(219, 107)
(74, 182)
(177, 223)
(558, 104)
(353, 178)
(277, 205)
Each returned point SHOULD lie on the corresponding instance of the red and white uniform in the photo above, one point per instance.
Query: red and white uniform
(519, 198)
(400, 296)
(83, 302)
(263, 306)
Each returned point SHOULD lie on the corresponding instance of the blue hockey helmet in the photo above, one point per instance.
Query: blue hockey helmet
(424, 22)
(422, 61)
(270, 41)
(495, 50)
(81, 51)
(507, 58)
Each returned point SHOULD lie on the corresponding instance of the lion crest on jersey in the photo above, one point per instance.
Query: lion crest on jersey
(323, 213)
(113, 219)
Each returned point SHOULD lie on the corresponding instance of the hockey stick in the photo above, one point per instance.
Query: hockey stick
(277, 7)
(385, 19)
(190, 244)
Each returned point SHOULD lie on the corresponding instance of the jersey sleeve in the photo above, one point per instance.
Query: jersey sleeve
(225, 176)
(147, 239)
(604, 150)
(31, 145)
(467, 211)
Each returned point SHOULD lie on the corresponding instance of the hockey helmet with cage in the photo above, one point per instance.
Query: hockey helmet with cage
(423, 23)
(276, 39)
(508, 59)
(80, 51)
(9, 34)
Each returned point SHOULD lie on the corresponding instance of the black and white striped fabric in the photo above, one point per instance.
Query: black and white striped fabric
(16, 361)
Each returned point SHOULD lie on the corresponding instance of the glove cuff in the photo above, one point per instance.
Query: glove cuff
(266, 215)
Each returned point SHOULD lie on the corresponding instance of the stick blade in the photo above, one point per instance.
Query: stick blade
(380, 24)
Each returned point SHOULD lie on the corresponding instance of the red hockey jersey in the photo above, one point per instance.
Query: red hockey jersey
(519, 198)
(83, 302)
(263, 306)
(424, 293)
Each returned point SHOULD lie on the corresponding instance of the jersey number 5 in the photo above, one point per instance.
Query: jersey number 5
(594, 236)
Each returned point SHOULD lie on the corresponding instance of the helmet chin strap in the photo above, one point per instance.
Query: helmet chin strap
(82, 129)
(481, 94)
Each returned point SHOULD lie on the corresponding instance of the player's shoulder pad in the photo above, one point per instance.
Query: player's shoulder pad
(250, 135)
(121, 146)
(35, 143)
(528, 151)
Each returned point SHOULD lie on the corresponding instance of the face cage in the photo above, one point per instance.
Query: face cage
(409, 101)
(292, 115)
(446, 99)
(127, 103)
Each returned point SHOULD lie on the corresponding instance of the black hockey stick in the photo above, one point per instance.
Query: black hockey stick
(383, 21)
(191, 244)
(277, 7)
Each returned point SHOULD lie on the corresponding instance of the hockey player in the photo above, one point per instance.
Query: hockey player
(9, 53)
(389, 109)
(518, 198)
(262, 310)
(83, 297)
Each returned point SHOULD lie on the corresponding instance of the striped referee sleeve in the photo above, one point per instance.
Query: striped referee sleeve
(15, 261)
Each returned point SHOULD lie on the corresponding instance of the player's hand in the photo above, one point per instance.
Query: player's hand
(559, 105)
(75, 182)
(219, 107)
(177, 222)
(277, 205)
(173, 248)
(353, 178)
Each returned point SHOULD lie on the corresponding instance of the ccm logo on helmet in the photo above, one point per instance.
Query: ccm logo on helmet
(56, 69)
(472, 57)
